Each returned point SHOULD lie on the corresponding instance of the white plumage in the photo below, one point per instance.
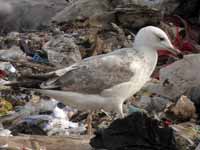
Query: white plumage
(106, 81)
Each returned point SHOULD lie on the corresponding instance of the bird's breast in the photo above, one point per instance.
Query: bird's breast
(127, 89)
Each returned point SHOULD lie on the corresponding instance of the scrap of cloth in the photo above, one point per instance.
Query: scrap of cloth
(135, 132)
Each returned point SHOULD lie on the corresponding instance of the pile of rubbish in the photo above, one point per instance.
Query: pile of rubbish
(38, 37)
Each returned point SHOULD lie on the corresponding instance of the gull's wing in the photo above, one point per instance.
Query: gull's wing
(97, 73)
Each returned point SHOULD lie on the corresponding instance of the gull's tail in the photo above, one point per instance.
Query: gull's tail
(78, 100)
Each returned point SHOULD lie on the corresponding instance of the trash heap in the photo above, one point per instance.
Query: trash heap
(38, 37)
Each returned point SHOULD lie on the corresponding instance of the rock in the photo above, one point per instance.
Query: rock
(136, 16)
(144, 102)
(177, 78)
(167, 6)
(158, 104)
(97, 12)
(102, 13)
(23, 15)
(184, 109)
(152, 104)
(5, 7)
(62, 51)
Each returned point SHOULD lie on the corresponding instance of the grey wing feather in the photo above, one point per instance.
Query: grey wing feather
(95, 74)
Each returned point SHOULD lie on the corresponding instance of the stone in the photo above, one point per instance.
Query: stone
(97, 12)
(184, 109)
(152, 104)
(25, 15)
(178, 77)
(62, 51)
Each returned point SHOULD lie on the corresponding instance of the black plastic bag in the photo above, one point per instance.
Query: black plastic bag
(135, 132)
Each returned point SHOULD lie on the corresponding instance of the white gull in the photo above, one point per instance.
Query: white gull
(106, 81)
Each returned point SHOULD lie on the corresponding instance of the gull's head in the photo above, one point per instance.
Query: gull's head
(154, 38)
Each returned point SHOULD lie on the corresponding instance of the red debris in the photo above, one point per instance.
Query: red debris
(185, 43)
(186, 40)
(2, 74)
(167, 123)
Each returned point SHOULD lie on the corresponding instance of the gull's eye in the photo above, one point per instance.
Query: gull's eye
(161, 38)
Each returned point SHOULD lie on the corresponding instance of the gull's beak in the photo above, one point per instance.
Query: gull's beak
(175, 51)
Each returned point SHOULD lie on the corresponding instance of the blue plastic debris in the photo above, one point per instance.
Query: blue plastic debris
(37, 58)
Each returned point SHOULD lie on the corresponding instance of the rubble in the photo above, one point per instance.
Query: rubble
(44, 117)
(167, 6)
(152, 104)
(28, 15)
(7, 67)
(14, 53)
(62, 51)
(184, 109)
(95, 13)
(177, 78)
(188, 135)
(129, 16)
(5, 107)
(37, 37)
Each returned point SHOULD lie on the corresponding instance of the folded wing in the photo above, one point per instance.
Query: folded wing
(97, 73)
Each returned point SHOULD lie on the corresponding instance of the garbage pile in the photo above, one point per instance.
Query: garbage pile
(57, 34)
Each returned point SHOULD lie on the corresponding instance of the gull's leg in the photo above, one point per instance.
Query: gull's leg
(89, 123)
(120, 110)
(107, 114)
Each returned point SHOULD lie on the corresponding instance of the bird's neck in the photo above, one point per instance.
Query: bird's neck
(150, 56)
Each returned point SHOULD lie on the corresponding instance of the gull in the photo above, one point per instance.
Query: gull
(106, 81)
